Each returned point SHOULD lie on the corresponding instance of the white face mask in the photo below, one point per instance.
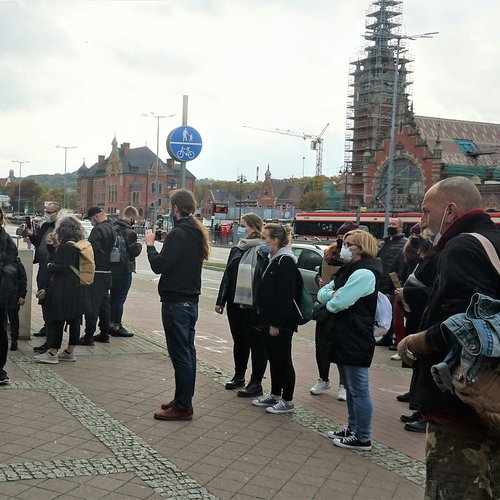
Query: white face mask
(346, 254)
(437, 237)
(48, 217)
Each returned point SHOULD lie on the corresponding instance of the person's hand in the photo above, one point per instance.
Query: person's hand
(164, 235)
(273, 331)
(41, 294)
(21, 301)
(219, 309)
(29, 231)
(149, 237)
(321, 283)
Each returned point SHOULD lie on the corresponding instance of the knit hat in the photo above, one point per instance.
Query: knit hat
(346, 227)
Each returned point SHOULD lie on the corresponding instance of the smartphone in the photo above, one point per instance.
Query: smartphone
(28, 222)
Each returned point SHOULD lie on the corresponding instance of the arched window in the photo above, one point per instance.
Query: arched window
(407, 185)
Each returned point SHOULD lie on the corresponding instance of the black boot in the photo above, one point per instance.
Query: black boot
(13, 345)
(41, 348)
(235, 383)
(252, 389)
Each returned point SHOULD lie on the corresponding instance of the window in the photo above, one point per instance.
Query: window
(309, 259)
(136, 197)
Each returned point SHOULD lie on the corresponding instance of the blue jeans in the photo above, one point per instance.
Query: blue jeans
(359, 404)
(118, 295)
(179, 320)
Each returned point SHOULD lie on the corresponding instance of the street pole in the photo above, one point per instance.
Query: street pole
(241, 179)
(185, 99)
(390, 167)
(65, 163)
(20, 180)
(158, 118)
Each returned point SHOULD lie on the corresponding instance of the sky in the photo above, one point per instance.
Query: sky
(76, 73)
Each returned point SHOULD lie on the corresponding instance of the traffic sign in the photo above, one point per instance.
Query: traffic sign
(184, 143)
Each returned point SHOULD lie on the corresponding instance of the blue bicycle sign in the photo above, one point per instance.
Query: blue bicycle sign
(184, 143)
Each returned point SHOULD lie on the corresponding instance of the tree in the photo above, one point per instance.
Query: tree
(30, 192)
(312, 200)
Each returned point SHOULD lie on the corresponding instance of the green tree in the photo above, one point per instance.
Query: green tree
(313, 200)
(30, 192)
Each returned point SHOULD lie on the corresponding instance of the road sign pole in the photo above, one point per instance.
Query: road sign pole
(184, 123)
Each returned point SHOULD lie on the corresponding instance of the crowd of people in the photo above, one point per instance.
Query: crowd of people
(426, 278)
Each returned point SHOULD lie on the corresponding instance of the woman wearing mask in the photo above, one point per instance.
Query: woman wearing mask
(238, 290)
(65, 298)
(278, 316)
(352, 302)
(180, 263)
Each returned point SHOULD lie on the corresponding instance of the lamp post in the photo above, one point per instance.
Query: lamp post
(65, 163)
(20, 179)
(158, 118)
(241, 179)
(390, 168)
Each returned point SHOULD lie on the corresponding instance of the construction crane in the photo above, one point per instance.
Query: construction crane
(316, 142)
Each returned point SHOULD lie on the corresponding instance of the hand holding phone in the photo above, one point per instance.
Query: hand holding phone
(28, 222)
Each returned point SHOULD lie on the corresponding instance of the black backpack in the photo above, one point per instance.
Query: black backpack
(118, 254)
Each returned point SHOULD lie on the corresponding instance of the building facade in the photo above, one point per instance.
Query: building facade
(128, 177)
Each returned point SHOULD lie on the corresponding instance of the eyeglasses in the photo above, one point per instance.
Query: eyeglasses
(50, 213)
(349, 245)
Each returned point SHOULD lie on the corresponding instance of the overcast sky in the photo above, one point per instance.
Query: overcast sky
(77, 73)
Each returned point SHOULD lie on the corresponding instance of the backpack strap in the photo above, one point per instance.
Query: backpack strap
(489, 249)
(73, 268)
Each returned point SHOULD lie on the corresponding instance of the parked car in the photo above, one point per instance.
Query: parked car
(87, 226)
(309, 258)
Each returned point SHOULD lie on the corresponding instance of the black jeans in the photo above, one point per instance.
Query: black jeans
(13, 315)
(246, 339)
(324, 344)
(100, 306)
(4, 341)
(118, 295)
(279, 349)
(55, 332)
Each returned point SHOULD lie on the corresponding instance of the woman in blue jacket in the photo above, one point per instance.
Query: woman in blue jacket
(352, 301)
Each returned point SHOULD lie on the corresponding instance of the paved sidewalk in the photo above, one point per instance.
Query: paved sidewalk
(86, 429)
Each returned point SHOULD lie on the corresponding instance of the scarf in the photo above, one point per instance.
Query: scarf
(243, 293)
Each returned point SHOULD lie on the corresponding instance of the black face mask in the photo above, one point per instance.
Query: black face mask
(392, 231)
(50, 247)
(415, 242)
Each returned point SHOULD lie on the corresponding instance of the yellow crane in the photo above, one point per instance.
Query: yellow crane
(316, 141)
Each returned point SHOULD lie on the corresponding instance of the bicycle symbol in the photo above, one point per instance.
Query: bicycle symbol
(185, 151)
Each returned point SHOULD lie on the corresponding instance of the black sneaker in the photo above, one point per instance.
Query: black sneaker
(343, 433)
(235, 383)
(403, 398)
(353, 443)
(13, 345)
(4, 378)
(121, 332)
(41, 348)
(41, 333)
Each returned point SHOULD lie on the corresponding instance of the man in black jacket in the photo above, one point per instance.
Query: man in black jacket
(41, 257)
(391, 255)
(102, 237)
(463, 459)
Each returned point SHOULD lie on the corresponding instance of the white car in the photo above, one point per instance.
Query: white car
(309, 258)
(87, 226)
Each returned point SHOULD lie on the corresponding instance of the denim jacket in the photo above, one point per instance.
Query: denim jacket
(476, 333)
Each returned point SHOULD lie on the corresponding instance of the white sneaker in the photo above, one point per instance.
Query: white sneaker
(396, 357)
(67, 356)
(46, 357)
(282, 406)
(342, 394)
(320, 386)
(265, 401)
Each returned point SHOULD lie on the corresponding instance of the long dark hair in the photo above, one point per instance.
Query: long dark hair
(186, 204)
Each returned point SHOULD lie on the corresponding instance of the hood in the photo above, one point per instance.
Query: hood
(123, 223)
(283, 251)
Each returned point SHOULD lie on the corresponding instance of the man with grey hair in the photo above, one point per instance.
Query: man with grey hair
(462, 458)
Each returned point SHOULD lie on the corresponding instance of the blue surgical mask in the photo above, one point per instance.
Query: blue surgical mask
(264, 247)
(171, 217)
(241, 232)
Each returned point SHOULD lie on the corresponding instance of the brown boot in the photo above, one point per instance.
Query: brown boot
(174, 414)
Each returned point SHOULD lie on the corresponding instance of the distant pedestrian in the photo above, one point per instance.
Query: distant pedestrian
(8, 268)
(238, 291)
(180, 263)
(278, 316)
(121, 272)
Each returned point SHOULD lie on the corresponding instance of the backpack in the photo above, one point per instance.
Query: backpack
(86, 265)
(305, 306)
(118, 254)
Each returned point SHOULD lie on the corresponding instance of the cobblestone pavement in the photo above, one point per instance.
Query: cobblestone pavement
(85, 429)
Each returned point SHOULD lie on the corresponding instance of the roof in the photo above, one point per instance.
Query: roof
(223, 196)
(137, 161)
(286, 191)
(464, 143)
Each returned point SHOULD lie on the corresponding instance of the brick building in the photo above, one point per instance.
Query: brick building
(427, 149)
(128, 177)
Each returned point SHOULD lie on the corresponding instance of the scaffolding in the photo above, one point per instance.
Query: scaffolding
(370, 84)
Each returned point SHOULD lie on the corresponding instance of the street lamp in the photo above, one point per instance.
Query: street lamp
(241, 179)
(390, 168)
(20, 178)
(65, 162)
(158, 118)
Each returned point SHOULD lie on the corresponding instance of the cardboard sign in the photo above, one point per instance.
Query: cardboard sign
(327, 272)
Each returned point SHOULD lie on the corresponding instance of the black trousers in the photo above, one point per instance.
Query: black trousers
(246, 339)
(4, 341)
(100, 306)
(279, 349)
(55, 332)
(323, 351)
(13, 315)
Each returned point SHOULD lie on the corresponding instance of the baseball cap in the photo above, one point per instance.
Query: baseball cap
(93, 211)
